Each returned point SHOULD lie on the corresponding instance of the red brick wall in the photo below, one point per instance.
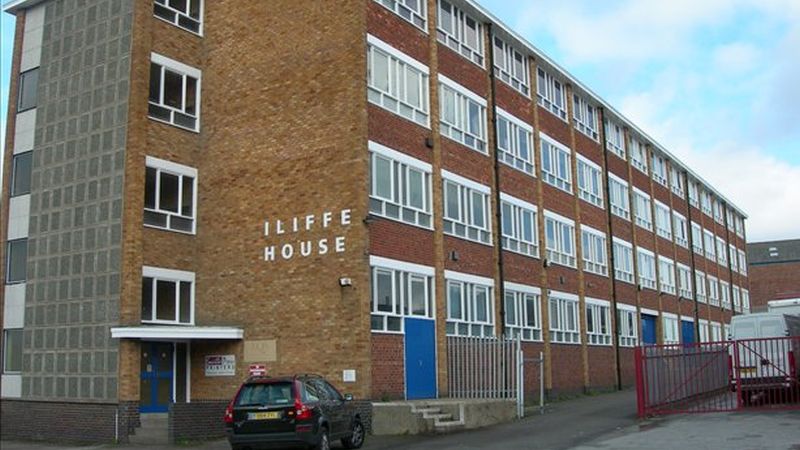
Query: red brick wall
(567, 369)
(400, 241)
(388, 375)
(769, 280)
(602, 373)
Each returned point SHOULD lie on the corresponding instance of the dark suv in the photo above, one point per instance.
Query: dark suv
(300, 410)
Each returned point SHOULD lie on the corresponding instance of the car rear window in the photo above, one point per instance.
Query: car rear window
(266, 394)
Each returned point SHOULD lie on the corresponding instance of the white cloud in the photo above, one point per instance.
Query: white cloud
(736, 57)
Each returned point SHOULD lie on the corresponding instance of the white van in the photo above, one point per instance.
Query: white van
(766, 362)
(788, 306)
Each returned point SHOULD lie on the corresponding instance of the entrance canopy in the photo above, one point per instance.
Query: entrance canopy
(167, 332)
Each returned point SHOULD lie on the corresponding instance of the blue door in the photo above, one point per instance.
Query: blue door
(687, 332)
(648, 329)
(420, 346)
(156, 378)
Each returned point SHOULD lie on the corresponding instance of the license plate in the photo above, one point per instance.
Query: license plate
(747, 370)
(264, 415)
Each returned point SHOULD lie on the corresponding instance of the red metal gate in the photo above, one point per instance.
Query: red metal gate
(718, 376)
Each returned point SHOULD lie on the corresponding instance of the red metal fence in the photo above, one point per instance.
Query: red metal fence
(718, 376)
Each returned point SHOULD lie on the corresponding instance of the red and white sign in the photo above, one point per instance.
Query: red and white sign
(258, 370)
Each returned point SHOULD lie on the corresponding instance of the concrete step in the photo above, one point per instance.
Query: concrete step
(449, 426)
(437, 416)
(154, 430)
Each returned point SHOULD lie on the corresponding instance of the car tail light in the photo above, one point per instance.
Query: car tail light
(229, 413)
(302, 412)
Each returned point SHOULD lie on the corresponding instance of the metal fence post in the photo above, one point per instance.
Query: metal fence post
(520, 379)
(541, 382)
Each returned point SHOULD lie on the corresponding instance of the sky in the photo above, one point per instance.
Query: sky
(716, 82)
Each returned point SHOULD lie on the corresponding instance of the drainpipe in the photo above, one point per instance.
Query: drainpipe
(730, 260)
(693, 277)
(610, 250)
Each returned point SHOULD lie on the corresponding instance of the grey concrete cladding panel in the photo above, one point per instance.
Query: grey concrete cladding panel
(72, 296)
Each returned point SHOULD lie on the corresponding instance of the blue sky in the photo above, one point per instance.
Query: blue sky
(717, 82)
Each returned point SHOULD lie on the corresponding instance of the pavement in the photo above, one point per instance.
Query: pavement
(606, 421)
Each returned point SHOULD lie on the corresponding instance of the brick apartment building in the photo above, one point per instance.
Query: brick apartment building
(196, 186)
(774, 269)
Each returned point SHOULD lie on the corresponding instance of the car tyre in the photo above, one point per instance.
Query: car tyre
(356, 438)
(324, 442)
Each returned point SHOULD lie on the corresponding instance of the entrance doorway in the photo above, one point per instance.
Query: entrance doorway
(420, 350)
(156, 377)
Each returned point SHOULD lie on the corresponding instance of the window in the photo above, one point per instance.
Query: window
(700, 284)
(397, 82)
(639, 155)
(663, 222)
(463, 115)
(167, 296)
(523, 312)
(598, 322)
(460, 32)
(551, 94)
(697, 238)
(733, 256)
(564, 323)
(400, 187)
(615, 139)
(594, 251)
(514, 142)
(590, 182)
(703, 330)
(745, 301)
(174, 93)
(12, 350)
(679, 226)
(705, 201)
(641, 209)
(722, 253)
(399, 290)
(670, 323)
(684, 281)
(647, 268)
(183, 13)
(623, 260)
(659, 165)
(511, 66)
(170, 195)
(559, 239)
(556, 163)
(628, 331)
(742, 262)
(470, 305)
(739, 226)
(676, 182)
(666, 275)
(725, 294)
(466, 209)
(518, 219)
(729, 219)
(716, 332)
(718, 216)
(21, 174)
(411, 10)
(585, 116)
(28, 90)
(737, 299)
(694, 196)
(713, 291)
(16, 261)
(709, 245)
(620, 196)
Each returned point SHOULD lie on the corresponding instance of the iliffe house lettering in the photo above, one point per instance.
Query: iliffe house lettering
(296, 226)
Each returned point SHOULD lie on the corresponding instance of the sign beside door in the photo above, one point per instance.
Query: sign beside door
(220, 365)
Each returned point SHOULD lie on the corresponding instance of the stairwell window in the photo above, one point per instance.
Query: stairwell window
(628, 331)
(170, 195)
(511, 66)
(470, 305)
(174, 93)
(615, 139)
(663, 222)
(590, 182)
(518, 220)
(22, 164)
(551, 94)
(684, 281)
(413, 11)
(639, 155)
(523, 312)
(681, 233)
(594, 251)
(16, 261)
(186, 14)
(12, 350)
(666, 275)
(463, 115)
(514, 142)
(585, 116)
(560, 239)
(28, 90)
(167, 296)
(460, 31)
(598, 322)
(700, 284)
(556, 163)
(466, 209)
(399, 290)
(642, 211)
(620, 196)
(564, 322)
(400, 186)
(647, 268)
(623, 260)
(397, 82)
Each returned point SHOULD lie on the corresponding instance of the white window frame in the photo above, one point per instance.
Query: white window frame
(667, 282)
(563, 308)
(684, 281)
(177, 277)
(590, 181)
(523, 321)
(506, 68)
(553, 173)
(401, 166)
(455, 221)
(680, 231)
(623, 260)
(551, 93)
(713, 290)
(646, 263)
(457, 128)
(733, 257)
(745, 301)
(468, 324)
(586, 117)
(703, 330)
(709, 245)
(639, 155)
(516, 241)
(737, 299)
(671, 328)
(705, 202)
(725, 294)
(742, 262)
(694, 194)
(659, 169)
(518, 133)
(556, 251)
(595, 259)
(184, 71)
(701, 286)
(615, 139)
(455, 37)
(180, 171)
(403, 275)
(642, 209)
(717, 207)
(697, 238)
(395, 97)
(676, 181)
(418, 18)
(181, 15)
(722, 251)
(619, 193)
(663, 220)
(716, 331)
(627, 324)
(600, 311)
(7, 352)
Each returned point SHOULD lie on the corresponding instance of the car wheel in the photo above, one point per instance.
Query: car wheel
(324, 440)
(356, 439)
